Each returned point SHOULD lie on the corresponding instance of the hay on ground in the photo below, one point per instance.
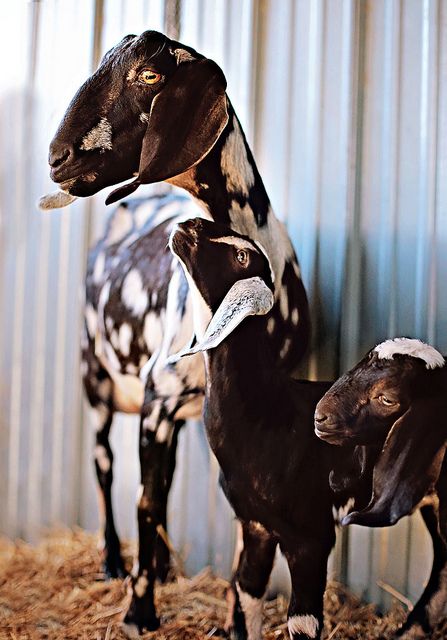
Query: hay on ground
(56, 591)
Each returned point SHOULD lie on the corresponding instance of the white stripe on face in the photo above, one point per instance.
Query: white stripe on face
(233, 241)
(100, 137)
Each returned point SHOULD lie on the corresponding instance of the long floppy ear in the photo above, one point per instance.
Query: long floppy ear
(248, 297)
(185, 121)
(408, 465)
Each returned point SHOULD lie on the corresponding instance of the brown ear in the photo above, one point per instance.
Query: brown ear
(186, 120)
(408, 466)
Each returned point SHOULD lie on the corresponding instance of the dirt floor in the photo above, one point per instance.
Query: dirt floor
(56, 591)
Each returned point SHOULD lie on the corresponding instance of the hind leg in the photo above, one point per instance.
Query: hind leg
(99, 387)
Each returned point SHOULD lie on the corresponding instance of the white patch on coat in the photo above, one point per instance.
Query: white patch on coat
(271, 325)
(153, 331)
(252, 608)
(285, 348)
(98, 269)
(132, 369)
(343, 511)
(100, 137)
(410, 347)
(150, 422)
(91, 320)
(109, 323)
(144, 117)
(164, 431)
(114, 339)
(183, 56)
(102, 458)
(234, 241)
(99, 414)
(306, 624)
(295, 316)
(154, 298)
(141, 586)
(133, 295)
(120, 225)
(284, 302)
(235, 164)
(125, 338)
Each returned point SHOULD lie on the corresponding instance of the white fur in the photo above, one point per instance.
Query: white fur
(343, 511)
(55, 200)
(102, 458)
(234, 163)
(133, 295)
(410, 347)
(183, 56)
(141, 586)
(100, 137)
(120, 225)
(295, 316)
(239, 243)
(98, 269)
(164, 431)
(91, 320)
(153, 331)
(125, 338)
(303, 624)
(252, 608)
(271, 325)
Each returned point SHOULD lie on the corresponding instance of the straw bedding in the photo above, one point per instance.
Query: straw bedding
(55, 591)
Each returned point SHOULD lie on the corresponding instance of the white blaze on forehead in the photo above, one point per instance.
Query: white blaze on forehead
(235, 164)
(303, 624)
(133, 295)
(100, 137)
(239, 243)
(252, 608)
(410, 347)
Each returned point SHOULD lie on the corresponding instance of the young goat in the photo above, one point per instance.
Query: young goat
(259, 422)
(156, 109)
(396, 398)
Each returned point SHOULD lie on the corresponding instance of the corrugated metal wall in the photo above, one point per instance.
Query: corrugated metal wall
(345, 104)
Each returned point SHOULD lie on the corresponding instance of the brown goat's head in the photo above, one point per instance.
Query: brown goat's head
(394, 398)
(152, 110)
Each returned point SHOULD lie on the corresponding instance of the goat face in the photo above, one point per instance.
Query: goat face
(152, 110)
(229, 274)
(395, 398)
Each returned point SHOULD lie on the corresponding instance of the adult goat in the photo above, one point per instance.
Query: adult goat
(157, 110)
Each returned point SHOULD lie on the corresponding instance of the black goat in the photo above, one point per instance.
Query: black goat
(157, 110)
(396, 398)
(259, 422)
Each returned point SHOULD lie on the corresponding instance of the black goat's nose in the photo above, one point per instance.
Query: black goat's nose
(320, 417)
(59, 154)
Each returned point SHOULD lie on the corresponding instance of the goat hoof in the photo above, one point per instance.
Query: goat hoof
(135, 625)
(113, 569)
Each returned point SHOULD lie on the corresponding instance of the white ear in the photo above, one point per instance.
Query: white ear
(249, 297)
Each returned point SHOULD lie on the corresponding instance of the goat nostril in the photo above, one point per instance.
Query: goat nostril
(58, 157)
(320, 418)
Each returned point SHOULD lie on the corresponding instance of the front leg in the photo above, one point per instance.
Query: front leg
(156, 474)
(307, 562)
(430, 606)
(249, 584)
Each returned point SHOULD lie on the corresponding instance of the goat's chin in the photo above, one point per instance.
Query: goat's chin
(333, 437)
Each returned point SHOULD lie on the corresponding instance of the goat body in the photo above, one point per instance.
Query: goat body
(157, 110)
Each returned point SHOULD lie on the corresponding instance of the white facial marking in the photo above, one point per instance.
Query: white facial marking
(271, 325)
(410, 347)
(295, 316)
(125, 339)
(141, 586)
(235, 164)
(252, 608)
(100, 137)
(132, 293)
(91, 319)
(102, 458)
(233, 241)
(303, 624)
(183, 56)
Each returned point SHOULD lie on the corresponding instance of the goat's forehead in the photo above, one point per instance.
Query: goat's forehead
(410, 347)
(235, 241)
(149, 44)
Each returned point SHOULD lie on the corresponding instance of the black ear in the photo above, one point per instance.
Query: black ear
(186, 119)
(408, 466)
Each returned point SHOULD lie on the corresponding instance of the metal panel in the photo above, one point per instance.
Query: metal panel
(345, 105)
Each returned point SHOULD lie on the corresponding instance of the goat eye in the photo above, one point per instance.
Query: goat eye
(149, 77)
(242, 256)
(386, 401)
